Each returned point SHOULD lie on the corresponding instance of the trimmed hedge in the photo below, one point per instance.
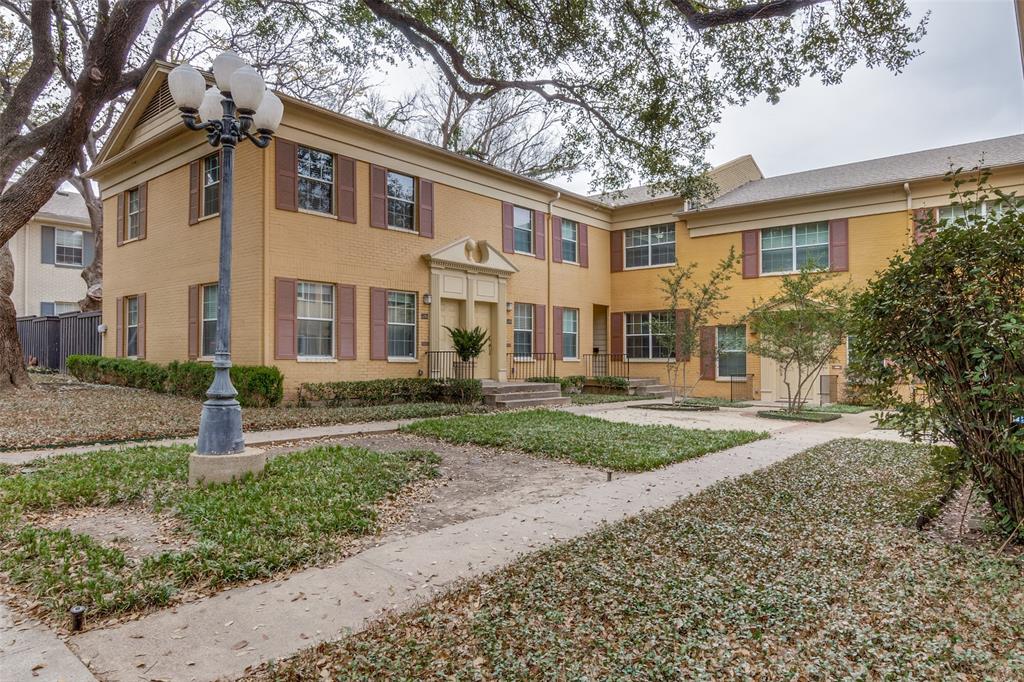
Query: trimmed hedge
(390, 392)
(257, 386)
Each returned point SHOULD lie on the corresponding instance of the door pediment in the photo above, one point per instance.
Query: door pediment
(473, 255)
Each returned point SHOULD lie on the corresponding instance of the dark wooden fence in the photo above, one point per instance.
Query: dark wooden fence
(50, 339)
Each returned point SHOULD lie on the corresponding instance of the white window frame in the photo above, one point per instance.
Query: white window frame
(575, 241)
(206, 185)
(516, 328)
(128, 326)
(413, 324)
(575, 333)
(68, 307)
(299, 176)
(793, 248)
(334, 325)
(719, 353)
(203, 319)
(650, 336)
(57, 232)
(134, 227)
(389, 198)
(649, 229)
(516, 229)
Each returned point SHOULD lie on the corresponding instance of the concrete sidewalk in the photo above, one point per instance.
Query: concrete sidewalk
(31, 651)
(223, 635)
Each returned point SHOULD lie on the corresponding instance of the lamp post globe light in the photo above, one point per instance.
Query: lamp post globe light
(228, 113)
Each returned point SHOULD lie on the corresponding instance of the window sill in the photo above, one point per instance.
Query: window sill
(731, 380)
(626, 268)
(524, 253)
(204, 218)
(392, 228)
(68, 266)
(409, 360)
(314, 359)
(648, 360)
(570, 359)
(792, 272)
(308, 211)
(523, 359)
(130, 241)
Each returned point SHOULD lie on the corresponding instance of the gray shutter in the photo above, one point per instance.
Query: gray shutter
(47, 308)
(47, 247)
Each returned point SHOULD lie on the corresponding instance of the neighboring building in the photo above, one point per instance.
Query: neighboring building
(49, 254)
(354, 247)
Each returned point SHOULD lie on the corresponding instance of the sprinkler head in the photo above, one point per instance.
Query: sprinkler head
(77, 618)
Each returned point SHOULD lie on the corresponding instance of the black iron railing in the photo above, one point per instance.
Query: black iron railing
(532, 366)
(445, 364)
(606, 365)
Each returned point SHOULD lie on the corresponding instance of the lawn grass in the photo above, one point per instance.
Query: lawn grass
(839, 408)
(582, 439)
(713, 402)
(805, 570)
(297, 513)
(799, 416)
(601, 398)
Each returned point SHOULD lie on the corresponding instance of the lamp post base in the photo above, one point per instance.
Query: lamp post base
(207, 469)
(220, 428)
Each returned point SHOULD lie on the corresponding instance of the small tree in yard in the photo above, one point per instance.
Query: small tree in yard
(691, 304)
(948, 314)
(800, 327)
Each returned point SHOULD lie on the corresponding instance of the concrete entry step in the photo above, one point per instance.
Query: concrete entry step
(498, 388)
(534, 402)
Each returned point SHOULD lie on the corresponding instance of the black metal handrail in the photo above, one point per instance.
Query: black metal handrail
(531, 366)
(606, 365)
(445, 364)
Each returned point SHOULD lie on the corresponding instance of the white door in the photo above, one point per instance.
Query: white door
(773, 383)
(482, 313)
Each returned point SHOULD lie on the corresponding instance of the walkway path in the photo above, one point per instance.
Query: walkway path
(31, 651)
(223, 635)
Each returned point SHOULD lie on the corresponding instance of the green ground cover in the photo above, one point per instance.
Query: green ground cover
(299, 512)
(601, 398)
(808, 569)
(583, 439)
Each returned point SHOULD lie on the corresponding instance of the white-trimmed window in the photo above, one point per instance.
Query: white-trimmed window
(211, 186)
(131, 326)
(208, 326)
(570, 241)
(522, 229)
(570, 333)
(314, 312)
(651, 245)
(643, 340)
(993, 207)
(732, 352)
(134, 215)
(401, 201)
(522, 330)
(68, 247)
(316, 180)
(788, 249)
(401, 324)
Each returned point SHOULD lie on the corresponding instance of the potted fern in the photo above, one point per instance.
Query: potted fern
(468, 344)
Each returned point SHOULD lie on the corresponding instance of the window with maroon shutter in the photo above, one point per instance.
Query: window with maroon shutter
(750, 254)
(426, 208)
(141, 335)
(584, 247)
(707, 353)
(920, 231)
(346, 302)
(143, 210)
(193, 192)
(378, 324)
(507, 229)
(839, 244)
(285, 318)
(378, 197)
(286, 181)
(539, 236)
(540, 338)
(556, 331)
(556, 239)
(120, 219)
(345, 186)
(618, 344)
(616, 250)
(193, 322)
(119, 327)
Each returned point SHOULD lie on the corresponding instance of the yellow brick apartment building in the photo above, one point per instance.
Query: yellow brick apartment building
(355, 247)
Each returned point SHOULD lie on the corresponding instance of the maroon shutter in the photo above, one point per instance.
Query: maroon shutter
(143, 212)
(284, 316)
(193, 321)
(839, 244)
(584, 249)
(141, 333)
(556, 239)
(540, 323)
(751, 245)
(920, 234)
(378, 324)
(426, 203)
(120, 218)
(119, 328)
(618, 345)
(539, 238)
(682, 318)
(616, 250)
(556, 331)
(194, 173)
(346, 188)
(345, 347)
(286, 161)
(707, 352)
(378, 197)
(507, 231)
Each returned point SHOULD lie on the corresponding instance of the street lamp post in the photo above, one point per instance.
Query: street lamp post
(227, 113)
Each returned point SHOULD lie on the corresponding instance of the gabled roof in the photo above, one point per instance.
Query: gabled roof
(727, 176)
(930, 163)
(64, 206)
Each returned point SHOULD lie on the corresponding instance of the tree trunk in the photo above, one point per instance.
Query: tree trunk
(12, 363)
(93, 275)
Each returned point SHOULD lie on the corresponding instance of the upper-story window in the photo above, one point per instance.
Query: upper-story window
(401, 201)
(651, 245)
(134, 230)
(992, 208)
(316, 180)
(522, 330)
(69, 247)
(522, 229)
(788, 249)
(211, 185)
(314, 313)
(570, 241)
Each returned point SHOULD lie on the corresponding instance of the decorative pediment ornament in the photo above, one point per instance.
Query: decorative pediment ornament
(474, 255)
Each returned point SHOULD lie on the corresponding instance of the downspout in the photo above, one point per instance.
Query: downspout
(910, 209)
(550, 311)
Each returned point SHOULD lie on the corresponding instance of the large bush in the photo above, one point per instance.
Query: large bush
(257, 386)
(940, 339)
(390, 391)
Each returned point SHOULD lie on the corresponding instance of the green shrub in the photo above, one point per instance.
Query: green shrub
(389, 392)
(610, 382)
(118, 372)
(570, 384)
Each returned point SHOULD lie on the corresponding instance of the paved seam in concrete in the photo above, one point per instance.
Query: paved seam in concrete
(222, 635)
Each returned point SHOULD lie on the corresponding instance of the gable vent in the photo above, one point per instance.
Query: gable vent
(160, 103)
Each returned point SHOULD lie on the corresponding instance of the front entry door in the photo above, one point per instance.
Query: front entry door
(482, 313)
(773, 383)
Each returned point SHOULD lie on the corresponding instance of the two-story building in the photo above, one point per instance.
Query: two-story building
(355, 247)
